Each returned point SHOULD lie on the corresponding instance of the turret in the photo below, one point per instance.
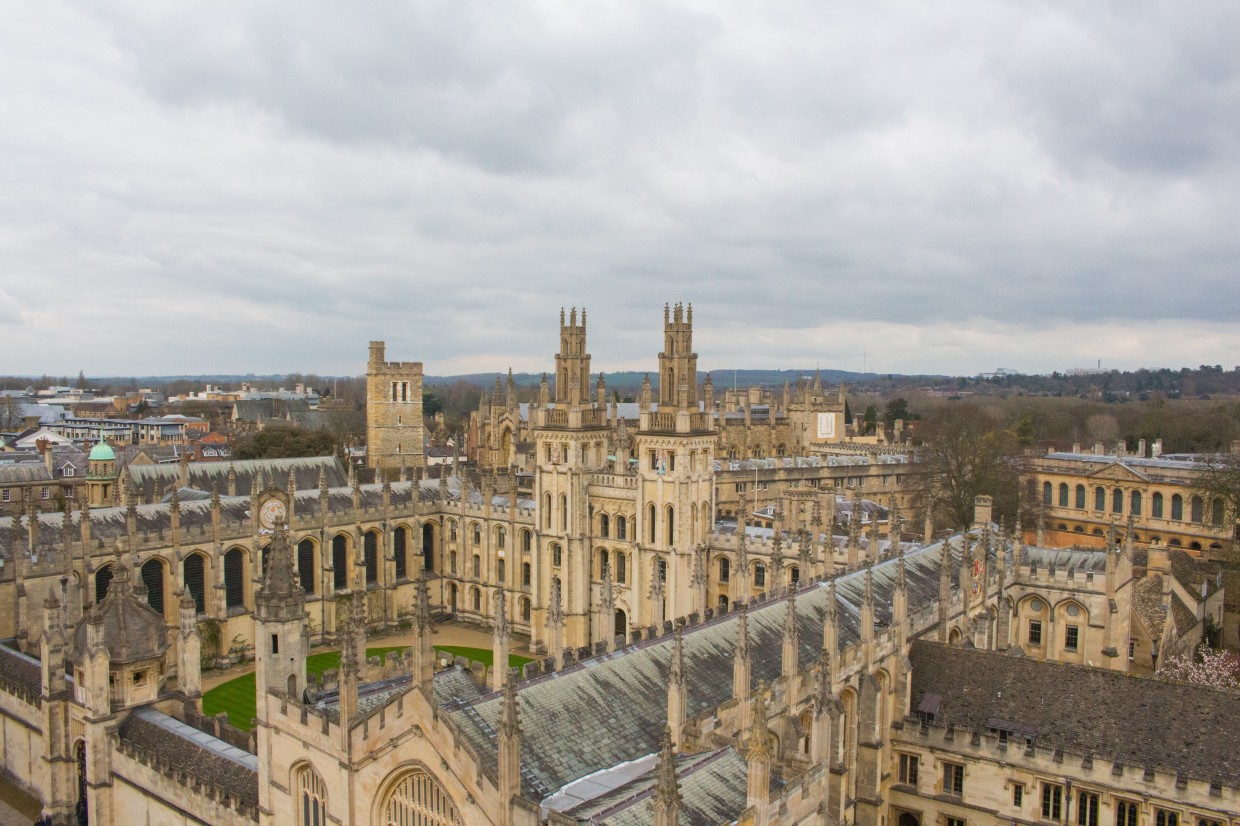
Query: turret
(665, 803)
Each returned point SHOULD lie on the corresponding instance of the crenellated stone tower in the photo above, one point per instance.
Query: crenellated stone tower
(394, 428)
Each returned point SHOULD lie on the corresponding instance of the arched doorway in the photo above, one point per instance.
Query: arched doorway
(908, 819)
(621, 625)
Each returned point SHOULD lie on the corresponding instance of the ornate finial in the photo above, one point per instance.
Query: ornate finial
(666, 797)
(758, 744)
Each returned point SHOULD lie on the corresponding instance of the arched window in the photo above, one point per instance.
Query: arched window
(313, 793)
(399, 545)
(452, 563)
(1198, 509)
(602, 564)
(501, 537)
(1080, 497)
(477, 597)
(194, 571)
(525, 609)
(671, 525)
(340, 561)
(476, 569)
(103, 578)
(1100, 498)
(604, 524)
(1216, 513)
(1063, 494)
(500, 570)
(452, 529)
(234, 578)
(1117, 501)
(620, 564)
(794, 574)
(305, 565)
(725, 569)
(1177, 507)
(525, 574)
(759, 575)
(1046, 493)
(1135, 503)
(557, 555)
(476, 530)
(428, 546)
(153, 579)
(546, 510)
(563, 512)
(418, 799)
(650, 518)
(526, 541)
(1156, 506)
(621, 528)
(370, 550)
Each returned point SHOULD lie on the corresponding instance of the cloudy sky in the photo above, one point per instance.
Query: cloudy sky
(908, 186)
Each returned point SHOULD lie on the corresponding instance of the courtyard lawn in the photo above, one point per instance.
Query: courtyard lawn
(481, 655)
(237, 696)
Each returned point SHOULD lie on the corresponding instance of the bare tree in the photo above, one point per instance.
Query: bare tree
(968, 454)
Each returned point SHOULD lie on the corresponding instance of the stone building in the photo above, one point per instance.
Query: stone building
(1082, 493)
(689, 671)
(394, 428)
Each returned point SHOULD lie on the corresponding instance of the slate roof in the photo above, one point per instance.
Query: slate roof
(1148, 606)
(24, 473)
(566, 707)
(196, 753)
(23, 671)
(1135, 721)
(712, 788)
(1073, 560)
(150, 480)
(1192, 572)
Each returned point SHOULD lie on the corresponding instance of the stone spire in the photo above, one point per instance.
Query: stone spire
(741, 664)
(189, 650)
(644, 397)
(280, 597)
(555, 624)
(423, 644)
(758, 756)
(791, 651)
(830, 627)
(665, 803)
(945, 587)
(854, 533)
(893, 524)
(499, 641)
(607, 610)
(805, 554)
(676, 690)
(777, 551)
(508, 737)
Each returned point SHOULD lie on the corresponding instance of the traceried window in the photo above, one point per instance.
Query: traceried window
(1087, 809)
(621, 573)
(725, 569)
(313, 794)
(621, 528)
(1052, 801)
(418, 799)
(234, 578)
(1166, 817)
(1125, 813)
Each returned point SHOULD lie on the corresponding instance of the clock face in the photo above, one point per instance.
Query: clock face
(271, 514)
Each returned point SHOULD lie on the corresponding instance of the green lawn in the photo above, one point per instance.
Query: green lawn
(237, 696)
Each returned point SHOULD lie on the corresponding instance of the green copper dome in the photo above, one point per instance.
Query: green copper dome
(102, 452)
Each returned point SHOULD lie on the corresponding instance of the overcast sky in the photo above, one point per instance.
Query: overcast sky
(909, 186)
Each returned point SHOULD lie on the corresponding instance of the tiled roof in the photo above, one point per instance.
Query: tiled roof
(567, 706)
(712, 789)
(1112, 716)
(196, 753)
(1147, 604)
